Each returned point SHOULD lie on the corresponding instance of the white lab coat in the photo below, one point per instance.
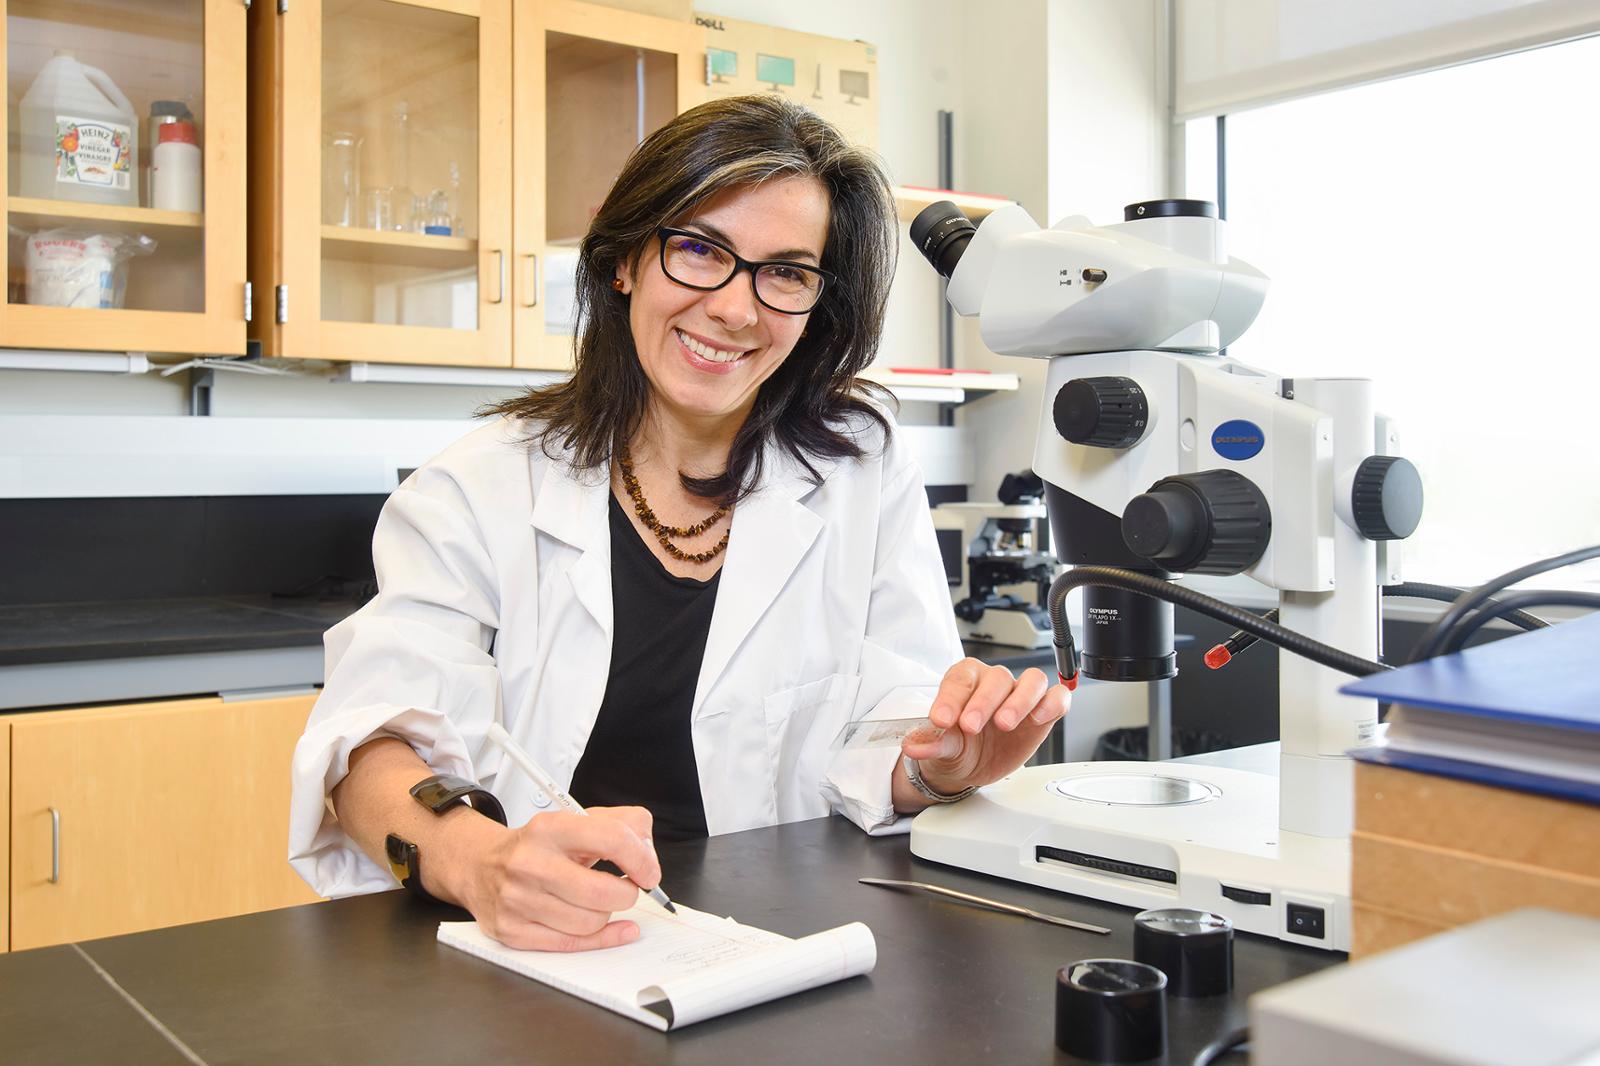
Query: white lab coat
(494, 565)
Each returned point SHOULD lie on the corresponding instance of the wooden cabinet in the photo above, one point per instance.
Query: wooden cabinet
(380, 185)
(100, 256)
(591, 82)
(422, 169)
(137, 817)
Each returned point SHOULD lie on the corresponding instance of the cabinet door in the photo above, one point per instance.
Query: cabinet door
(141, 817)
(387, 192)
(103, 252)
(591, 83)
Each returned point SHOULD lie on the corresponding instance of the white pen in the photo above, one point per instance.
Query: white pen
(514, 752)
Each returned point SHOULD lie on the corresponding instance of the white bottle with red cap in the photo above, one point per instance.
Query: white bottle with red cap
(175, 169)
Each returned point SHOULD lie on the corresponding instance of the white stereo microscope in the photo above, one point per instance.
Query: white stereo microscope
(1161, 456)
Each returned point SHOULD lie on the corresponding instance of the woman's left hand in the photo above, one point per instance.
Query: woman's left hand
(992, 723)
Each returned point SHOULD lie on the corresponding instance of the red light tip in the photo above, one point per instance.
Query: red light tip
(1070, 682)
(1218, 657)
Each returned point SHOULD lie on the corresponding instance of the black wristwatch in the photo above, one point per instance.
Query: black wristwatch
(438, 793)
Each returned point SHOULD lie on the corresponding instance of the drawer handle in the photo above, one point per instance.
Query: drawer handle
(55, 846)
(532, 300)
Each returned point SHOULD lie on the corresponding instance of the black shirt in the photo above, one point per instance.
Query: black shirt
(641, 751)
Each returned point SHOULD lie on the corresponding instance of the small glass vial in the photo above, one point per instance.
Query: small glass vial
(440, 219)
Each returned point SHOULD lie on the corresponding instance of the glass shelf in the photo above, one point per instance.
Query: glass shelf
(400, 249)
(107, 217)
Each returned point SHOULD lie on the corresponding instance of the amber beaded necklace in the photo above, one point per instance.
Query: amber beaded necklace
(664, 532)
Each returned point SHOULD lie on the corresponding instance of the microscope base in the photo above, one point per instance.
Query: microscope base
(1014, 629)
(1141, 855)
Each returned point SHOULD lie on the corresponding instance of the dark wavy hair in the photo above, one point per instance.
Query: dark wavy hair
(813, 404)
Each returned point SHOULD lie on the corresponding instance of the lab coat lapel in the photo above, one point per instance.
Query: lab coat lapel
(772, 531)
(571, 508)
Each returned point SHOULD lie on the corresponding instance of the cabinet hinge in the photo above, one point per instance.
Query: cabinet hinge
(283, 7)
(283, 304)
(249, 300)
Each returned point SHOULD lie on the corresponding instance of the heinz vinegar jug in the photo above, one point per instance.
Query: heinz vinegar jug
(80, 136)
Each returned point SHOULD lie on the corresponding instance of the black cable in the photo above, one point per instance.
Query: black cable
(1229, 1041)
(1421, 590)
(1457, 637)
(1238, 617)
(1239, 641)
(1433, 638)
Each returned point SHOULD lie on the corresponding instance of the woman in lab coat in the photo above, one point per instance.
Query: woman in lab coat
(673, 578)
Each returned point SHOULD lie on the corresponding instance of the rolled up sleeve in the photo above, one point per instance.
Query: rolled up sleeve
(414, 663)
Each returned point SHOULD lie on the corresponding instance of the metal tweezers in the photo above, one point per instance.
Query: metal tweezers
(964, 897)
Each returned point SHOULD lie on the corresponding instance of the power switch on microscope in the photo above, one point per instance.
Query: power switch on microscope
(1305, 920)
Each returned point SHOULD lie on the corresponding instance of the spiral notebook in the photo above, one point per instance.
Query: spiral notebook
(685, 967)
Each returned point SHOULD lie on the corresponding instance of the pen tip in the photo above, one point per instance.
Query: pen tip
(670, 908)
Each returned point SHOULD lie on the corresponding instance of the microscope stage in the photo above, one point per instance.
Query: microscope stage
(1148, 835)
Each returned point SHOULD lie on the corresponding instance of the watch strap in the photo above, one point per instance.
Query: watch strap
(914, 776)
(406, 865)
(441, 792)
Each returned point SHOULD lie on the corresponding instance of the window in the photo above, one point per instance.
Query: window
(1440, 234)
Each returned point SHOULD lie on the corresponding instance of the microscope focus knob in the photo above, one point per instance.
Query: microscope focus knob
(1212, 522)
(1109, 412)
(1386, 498)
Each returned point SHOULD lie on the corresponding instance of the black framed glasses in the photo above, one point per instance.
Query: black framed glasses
(695, 261)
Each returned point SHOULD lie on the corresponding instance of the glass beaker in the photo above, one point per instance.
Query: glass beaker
(379, 209)
(341, 178)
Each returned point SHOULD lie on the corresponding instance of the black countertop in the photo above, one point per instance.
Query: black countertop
(118, 629)
(364, 980)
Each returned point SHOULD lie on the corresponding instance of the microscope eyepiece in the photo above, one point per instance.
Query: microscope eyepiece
(1022, 487)
(941, 233)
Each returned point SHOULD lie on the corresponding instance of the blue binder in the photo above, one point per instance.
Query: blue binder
(1548, 678)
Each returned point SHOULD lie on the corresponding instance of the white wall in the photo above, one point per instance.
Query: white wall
(1086, 138)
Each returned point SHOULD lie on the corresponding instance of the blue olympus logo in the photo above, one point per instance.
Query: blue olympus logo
(1238, 439)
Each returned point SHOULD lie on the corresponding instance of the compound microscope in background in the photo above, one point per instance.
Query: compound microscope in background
(998, 561)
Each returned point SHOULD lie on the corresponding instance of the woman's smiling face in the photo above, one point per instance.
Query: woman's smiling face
(707, 353)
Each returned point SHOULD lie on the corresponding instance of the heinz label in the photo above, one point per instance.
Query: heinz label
(92, 152)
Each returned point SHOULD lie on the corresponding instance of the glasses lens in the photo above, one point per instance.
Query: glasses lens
(695, 262)
(788, 288)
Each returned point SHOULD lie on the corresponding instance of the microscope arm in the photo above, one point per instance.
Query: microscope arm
(1238, 617)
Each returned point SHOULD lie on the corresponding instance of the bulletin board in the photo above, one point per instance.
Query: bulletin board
(836, 78)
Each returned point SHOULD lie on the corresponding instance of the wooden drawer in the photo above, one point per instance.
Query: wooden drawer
(131, 818)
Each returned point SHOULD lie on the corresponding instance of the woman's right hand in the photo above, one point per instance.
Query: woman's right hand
(532, 887)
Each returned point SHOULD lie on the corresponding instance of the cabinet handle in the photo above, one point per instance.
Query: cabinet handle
(500, 293)
(55, 846)
(533, 285)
